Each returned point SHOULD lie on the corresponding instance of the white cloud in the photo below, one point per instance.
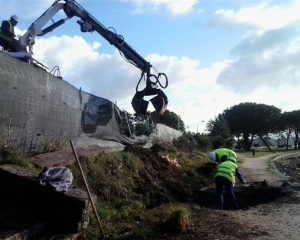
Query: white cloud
(194, 91)
(284, 97)
(82, 64)
(265, 64)
(265, 15)
(70, 53)
(111, 77)
(175, 7)
(271, 59)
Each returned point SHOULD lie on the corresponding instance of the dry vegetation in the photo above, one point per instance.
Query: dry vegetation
(130, 183)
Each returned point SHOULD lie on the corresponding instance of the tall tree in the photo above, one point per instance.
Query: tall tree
(285, 125)
(219, 131)
(290, 122)
(170, 119)
(251, 119)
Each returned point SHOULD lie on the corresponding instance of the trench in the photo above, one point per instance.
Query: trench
(256, 193)
(248, 195)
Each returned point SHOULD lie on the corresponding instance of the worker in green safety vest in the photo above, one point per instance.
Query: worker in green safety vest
(7, 34)
(221, 154)
(225, 178)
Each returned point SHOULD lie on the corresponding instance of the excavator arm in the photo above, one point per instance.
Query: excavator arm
(88, 23)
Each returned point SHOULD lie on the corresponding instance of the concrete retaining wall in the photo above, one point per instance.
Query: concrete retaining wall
(37, 108)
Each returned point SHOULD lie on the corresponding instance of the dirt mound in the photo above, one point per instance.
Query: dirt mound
(165, 182)
(137, 187)
(264, 208)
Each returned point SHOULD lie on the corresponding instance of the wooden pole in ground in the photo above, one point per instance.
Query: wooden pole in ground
(87, 188)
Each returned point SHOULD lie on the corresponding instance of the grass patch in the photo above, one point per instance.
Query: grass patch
(128, 183)
(110, 175)
(118, 209)
(10, 155)
(110, 213)
(178, 220)
(263, 151)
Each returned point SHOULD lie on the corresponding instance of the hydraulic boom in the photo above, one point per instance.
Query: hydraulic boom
(88, 23)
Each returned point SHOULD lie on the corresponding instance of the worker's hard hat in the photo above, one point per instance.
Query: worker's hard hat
(212, 156)
(14, 17)
(232, 159)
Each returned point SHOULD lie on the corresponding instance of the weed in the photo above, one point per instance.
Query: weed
(178, 219)
(10, 155)
(53, 146)
(111, 175)
(111, 212)
(120, 208)
(127, 182)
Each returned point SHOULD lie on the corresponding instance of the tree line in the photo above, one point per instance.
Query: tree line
(242, 122)
(133, 124)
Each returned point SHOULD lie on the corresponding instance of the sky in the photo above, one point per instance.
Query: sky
(216, 53)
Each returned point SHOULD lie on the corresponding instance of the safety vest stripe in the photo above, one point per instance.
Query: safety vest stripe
(229, 174)
(226, 167)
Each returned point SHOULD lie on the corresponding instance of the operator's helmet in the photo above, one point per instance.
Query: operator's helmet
(14, 17)
(232, 159)
(212, 156)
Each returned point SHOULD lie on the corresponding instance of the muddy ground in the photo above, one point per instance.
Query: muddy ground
(277, 219)
(269, 201)
(269, 207)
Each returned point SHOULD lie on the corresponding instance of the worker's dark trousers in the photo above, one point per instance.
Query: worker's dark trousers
(221, 183)
(10, 46)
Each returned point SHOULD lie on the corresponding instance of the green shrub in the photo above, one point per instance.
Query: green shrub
(10, 155)
(178, 219)
(189, 142)
(53, 146)
(109, 213)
